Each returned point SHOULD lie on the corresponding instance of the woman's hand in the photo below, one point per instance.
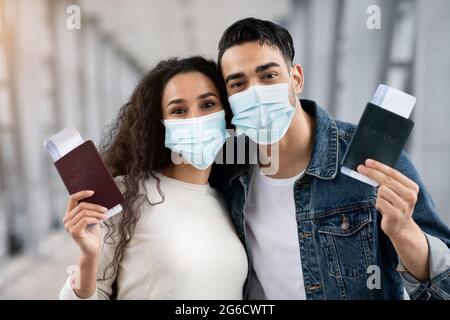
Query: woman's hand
(77, 218)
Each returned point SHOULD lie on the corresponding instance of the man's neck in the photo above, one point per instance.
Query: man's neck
(295, 148)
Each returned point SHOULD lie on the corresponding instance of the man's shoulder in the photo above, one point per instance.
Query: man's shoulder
(221, 174)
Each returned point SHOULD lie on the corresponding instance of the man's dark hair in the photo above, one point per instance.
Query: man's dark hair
(252, 29)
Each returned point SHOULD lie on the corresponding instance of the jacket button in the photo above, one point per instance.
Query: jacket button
(345, 225)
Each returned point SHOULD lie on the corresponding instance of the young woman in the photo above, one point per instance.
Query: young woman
(174, 238)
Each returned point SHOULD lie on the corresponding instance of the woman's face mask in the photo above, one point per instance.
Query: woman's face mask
(197, 140)
(263, 113)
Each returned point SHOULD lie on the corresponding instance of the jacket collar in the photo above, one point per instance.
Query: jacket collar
(324, 158)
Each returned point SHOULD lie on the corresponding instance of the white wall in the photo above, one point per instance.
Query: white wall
(431, 145)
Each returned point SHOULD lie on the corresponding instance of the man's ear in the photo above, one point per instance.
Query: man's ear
(297, 78)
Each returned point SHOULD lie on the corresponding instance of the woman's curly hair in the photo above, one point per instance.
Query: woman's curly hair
(133, 146)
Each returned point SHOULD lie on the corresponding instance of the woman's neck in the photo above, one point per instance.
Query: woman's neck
(187, 173)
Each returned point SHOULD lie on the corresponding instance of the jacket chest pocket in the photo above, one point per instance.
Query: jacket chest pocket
(346, 239)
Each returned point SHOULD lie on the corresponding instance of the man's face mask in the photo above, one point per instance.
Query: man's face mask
(197, 140)
(263, 113)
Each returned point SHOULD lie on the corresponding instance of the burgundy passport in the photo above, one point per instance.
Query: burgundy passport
(83, 169)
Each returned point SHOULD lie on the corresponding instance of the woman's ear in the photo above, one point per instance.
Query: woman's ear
(297, 78)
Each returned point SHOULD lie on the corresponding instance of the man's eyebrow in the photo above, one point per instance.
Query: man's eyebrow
(266, 66)
(175, 101)
(206, 95)
(258, 69)
(234, 76)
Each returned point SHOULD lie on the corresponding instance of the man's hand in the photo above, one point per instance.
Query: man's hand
(396, 199)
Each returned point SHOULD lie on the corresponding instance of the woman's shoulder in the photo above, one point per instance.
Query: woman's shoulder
(149, 187)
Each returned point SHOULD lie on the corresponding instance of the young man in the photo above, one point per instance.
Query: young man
(310, 231)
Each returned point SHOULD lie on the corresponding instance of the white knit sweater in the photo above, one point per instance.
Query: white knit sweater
(183, 248)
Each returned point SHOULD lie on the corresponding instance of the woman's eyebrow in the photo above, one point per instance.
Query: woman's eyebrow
(175, 101)
(206, 95)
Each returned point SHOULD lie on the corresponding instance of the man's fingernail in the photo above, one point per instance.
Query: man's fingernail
(360, 167)
(91, 192)
(104, 209)
(369, 161)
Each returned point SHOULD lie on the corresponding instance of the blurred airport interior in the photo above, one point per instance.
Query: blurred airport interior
(52, 76)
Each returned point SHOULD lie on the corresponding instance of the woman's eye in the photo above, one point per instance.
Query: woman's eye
(178, 111)
(208, 105)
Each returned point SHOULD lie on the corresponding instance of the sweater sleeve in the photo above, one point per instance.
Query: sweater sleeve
(105, 280)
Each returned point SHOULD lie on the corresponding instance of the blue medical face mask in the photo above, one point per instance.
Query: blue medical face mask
(263, 113)
(197, 140)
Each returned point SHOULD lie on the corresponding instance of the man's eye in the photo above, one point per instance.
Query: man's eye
(178, 111)
(270, 75)
(236, 85)
(208, 105)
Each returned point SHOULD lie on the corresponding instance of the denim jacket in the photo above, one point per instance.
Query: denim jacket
(337, 259)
